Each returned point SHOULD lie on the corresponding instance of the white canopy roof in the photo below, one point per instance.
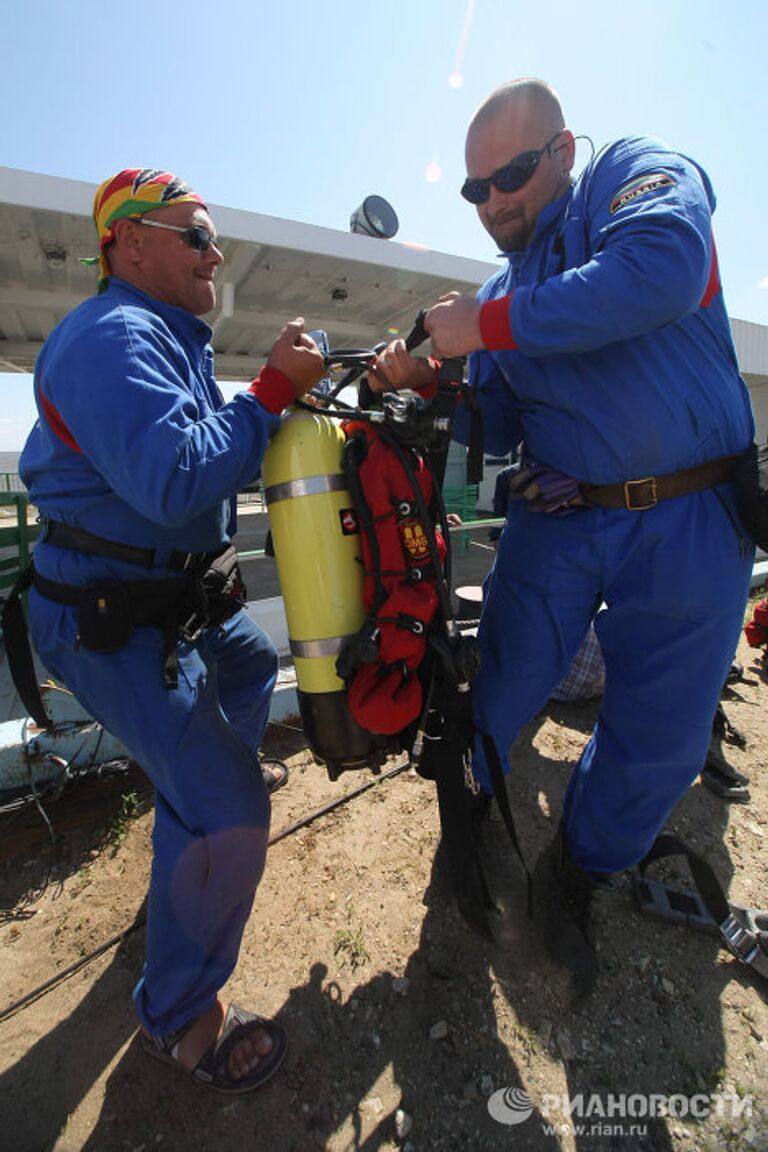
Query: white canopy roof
(355, 287)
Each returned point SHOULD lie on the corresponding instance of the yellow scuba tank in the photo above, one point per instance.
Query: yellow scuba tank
(316, 541)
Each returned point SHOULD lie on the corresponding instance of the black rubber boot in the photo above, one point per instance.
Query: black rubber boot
(722, 778)
(563, 894)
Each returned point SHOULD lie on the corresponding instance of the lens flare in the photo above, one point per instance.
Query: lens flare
(456, 77)
(433, 172)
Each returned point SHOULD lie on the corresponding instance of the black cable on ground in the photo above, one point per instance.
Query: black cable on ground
(48, 985)
(334, 804)
(30, 997)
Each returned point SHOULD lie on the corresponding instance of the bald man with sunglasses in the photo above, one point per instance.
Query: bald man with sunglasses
(604, 347)
(134, 465)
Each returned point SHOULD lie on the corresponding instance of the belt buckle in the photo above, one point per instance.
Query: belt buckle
(628, 485)
(739, 939)
(191, 629)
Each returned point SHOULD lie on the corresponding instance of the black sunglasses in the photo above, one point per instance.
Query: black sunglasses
(197, 237)
(510, 177)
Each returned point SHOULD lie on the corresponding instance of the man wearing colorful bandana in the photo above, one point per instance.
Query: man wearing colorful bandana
(134, 465)
(603, 344)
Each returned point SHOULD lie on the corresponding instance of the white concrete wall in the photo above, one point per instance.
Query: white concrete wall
(758, 391)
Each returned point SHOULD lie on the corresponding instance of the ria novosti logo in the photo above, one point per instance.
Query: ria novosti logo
(510, 1105)
(514, 1105)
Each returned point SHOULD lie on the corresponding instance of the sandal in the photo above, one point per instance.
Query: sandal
(275, 774)
(212, 1071)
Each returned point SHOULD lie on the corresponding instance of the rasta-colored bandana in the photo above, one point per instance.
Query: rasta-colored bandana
(133, 192)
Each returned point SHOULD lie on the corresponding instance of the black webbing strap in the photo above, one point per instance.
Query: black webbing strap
(459, 839)
(81, 540)
(476, 446)
(353, 454)
(747, 940)
(20, 661)
(500, 793)
(418, 334)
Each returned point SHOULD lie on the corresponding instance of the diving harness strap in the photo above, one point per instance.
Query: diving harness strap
(744, 931)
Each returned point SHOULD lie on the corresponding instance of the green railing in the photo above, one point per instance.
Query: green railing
(16, 538)
(11, 482)
(464, 501)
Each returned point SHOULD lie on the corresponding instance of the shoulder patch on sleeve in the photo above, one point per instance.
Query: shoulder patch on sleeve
(638, 187)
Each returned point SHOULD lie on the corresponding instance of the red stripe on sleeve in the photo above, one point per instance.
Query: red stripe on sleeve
(713, 284)
(495, 325)
(56, 423)
(273, 389)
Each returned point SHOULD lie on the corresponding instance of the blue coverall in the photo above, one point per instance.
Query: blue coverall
(135, 443)
(617, 363)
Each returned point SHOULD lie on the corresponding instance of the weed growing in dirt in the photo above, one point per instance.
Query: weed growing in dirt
(129, 810)
(352, 943)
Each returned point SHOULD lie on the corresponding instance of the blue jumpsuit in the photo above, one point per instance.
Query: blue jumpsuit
(135, 443)
(616, 362)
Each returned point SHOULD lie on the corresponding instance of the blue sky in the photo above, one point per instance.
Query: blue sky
(302, 109)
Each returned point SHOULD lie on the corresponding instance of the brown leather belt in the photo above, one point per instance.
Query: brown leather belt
(637, 495)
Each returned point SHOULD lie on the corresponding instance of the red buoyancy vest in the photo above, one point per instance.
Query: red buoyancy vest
(385, 696)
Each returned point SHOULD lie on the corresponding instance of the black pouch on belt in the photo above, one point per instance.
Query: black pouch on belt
(224, 587)
(104, 621)
(751, 479)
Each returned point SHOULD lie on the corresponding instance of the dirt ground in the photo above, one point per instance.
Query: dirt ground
(404, 1026)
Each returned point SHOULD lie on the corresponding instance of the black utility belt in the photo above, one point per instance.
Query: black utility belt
(181, 607)
(108, 610)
